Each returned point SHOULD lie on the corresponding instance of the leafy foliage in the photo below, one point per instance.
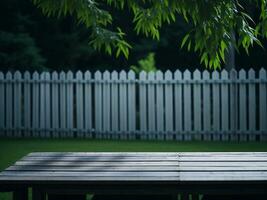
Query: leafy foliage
(146, 64)
(215, 24)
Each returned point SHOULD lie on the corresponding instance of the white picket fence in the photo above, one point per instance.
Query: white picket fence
(156, 105)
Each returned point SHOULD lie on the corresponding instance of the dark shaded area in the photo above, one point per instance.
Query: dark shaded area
(31, 41)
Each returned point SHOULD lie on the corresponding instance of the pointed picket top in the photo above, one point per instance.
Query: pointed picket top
(79, 75)
(262, 73)
(131, 75)
(242, 74)
(98, 75)
(35, 75)
(168, 75)
(178, 75)
(62, 75)
(123, 75)
(224, 75)
(114, 75)
(151, 76)
(17, 75)
(47, 75)
(142, 75)
(233, 74)
(251, 74)
(54, 75)
(206, 75)
(87, 74)
(159, 75)
(106, 75)
(27, 75)
(197, 74)
(69, 75)
(215, 75)
(187, 75)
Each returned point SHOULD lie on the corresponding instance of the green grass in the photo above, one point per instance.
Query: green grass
(13, 149)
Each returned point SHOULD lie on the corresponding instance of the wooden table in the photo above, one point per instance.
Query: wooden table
(137, 173)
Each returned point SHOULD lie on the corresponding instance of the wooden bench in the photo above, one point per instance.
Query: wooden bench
(143, 174)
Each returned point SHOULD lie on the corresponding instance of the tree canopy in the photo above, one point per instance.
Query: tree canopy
(213, 23)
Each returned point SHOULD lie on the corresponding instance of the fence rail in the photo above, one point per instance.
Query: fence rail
(123, 105)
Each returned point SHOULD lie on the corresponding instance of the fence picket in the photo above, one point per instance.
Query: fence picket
(187, 106)
(2, 104)
(55, 105)
(27, 104)
(197, 104)
(143, 104)
(9, 105)
(63, 104)
(225, 105)
(98, 104)
(178, 105)
(168, 105)
(252, 105)
(42, 105)
(151, 106)
(88, 105)
(262, 101)
(242, 105)
(123, 105)
(216, 106)
(106, 103)
(70, 105)
(79, 105)
(131, 105)
(36, 105)
(115, 105)
(206, 106)
(17, 104)
(159, 105)
(233, 105)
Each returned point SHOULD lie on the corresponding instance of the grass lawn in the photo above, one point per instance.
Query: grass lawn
(13, 149)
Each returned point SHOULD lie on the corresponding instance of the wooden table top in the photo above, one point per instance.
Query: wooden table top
(141, 167)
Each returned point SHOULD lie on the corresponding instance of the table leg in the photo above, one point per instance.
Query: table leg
(20, 194)
(38, 194)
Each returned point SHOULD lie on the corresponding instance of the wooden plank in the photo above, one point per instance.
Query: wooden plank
(159, 104)
(197, 104)
(123, 105)
(98, 104)
(88, 110)
(143, 104)
(9, 105)
(187, 106)
(2, 104)
(105, 153)
(27, 104)
(115, 105)
(35, 105)
(252, 105)
(168, 105)
(131, 104)
(106, 104)
(55, 105)
(17, 104)
(80, 104)
(262, 101)
(243, 105)
(151, 106)
(206, 106)
(63, 104)
(178, 104)
(225, 104)
(216, 106)
(70, 105)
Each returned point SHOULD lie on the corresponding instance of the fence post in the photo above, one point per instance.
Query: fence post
(233, 105)
(36, 105)
(225, 105)
(242, 106)
(216, 106)
(55, 105)
(143, 105)
(178, 105)
(168, 105)
(131, 104)
(115, 105)
(79, 105)
(123, 104)
(88, 105)
(63, 104)
(98, 104)
(106, 105)
(159, 105)
(187, 106)
(206, 106)
(151, 106)
(9, 106)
